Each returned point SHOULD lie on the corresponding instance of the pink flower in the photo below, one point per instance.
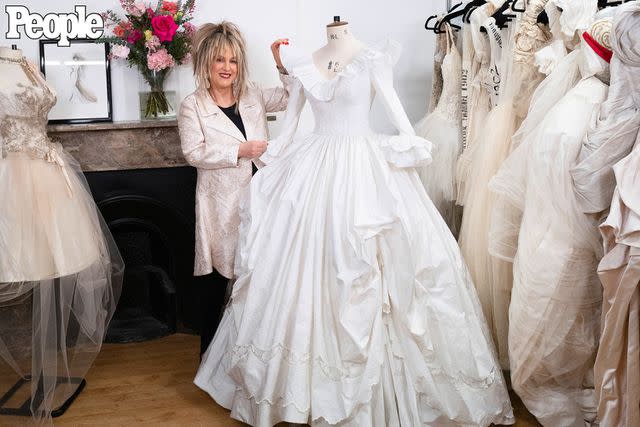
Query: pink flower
(164, 27)
(186, 59)
(152, 44)
(134, 36)
(151, 13)
(137, 9)
(126, 4)
(170, 7)
(122, 28)
(159, 60)
(105, 19)
(119, 51)
(189, 29)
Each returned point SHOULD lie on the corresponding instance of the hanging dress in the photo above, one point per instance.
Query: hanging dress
(442, 128)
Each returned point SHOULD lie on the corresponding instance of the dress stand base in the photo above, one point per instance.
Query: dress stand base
(24, 410)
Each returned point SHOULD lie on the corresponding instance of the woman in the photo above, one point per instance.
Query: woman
(223, 128)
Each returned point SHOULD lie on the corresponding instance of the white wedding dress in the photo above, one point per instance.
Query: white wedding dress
(556, 300)
(352, 304)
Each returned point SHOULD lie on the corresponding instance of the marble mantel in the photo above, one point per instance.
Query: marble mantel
(121, 145)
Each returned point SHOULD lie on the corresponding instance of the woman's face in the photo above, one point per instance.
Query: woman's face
(224, 70)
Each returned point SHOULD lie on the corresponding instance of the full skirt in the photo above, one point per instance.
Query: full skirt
(352, 304)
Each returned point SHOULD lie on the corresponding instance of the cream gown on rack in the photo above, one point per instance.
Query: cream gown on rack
(507, 185)
(617, 366)
(525, 101)
(566, 26)
(492, 275)
(469, 68)
(442, 128)
(442, 41)
(556, 298)
(530, 37)
(352, 306)
(476, 98)
(482, 155)
(612, 135)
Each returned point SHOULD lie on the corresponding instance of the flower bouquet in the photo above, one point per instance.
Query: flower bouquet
(154, 40)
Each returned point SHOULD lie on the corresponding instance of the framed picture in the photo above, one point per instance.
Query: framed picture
(80, 74)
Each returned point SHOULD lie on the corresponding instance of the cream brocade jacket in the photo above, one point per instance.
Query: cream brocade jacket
(210, 142)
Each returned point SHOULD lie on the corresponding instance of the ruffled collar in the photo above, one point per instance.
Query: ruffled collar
(303, 68)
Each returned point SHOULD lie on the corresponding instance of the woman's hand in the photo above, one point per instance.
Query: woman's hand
(252, 149)
(275, 50)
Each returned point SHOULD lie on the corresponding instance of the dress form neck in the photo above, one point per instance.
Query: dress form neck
(339, 51)
(10, 54)
(339, 36)
(14, 69)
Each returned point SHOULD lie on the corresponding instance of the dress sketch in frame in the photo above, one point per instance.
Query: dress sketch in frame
(80, 75)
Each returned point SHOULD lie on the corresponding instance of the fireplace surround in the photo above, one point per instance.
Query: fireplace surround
(146, 193)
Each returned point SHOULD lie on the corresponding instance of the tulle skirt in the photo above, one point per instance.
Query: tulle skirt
(492, 276)
(352, 306)
(439, 176)
(556, 299)
(60, 279)
(48, 222)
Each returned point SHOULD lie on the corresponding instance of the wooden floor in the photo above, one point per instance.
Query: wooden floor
(151, 384)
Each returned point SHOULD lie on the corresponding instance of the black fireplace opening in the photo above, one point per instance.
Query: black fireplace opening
(147, 307)
(151, 214)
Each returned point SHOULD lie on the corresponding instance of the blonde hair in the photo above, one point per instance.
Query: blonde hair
(209, 42)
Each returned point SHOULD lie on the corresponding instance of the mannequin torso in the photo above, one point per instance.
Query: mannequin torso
(340, 49)
(13, 69)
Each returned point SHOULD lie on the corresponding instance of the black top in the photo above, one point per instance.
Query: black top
(237, 120)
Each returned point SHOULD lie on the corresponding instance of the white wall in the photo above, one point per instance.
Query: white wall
(263, 21)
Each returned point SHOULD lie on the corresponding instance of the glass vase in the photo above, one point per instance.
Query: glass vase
(156, 103)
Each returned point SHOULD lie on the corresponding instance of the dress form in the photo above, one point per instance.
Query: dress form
(13, 68)
(340, 49)
(58, 259)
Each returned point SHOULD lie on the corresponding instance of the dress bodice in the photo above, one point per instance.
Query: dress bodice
(347, 112)
(442, 41)
(481, 45)
(449, 104)
(23, 115)
(341, 105)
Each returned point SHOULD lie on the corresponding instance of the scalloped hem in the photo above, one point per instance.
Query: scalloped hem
(269, 411)
(387, 390)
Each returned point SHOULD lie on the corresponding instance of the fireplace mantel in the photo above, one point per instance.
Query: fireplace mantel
(121, 145)
(146, 193)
